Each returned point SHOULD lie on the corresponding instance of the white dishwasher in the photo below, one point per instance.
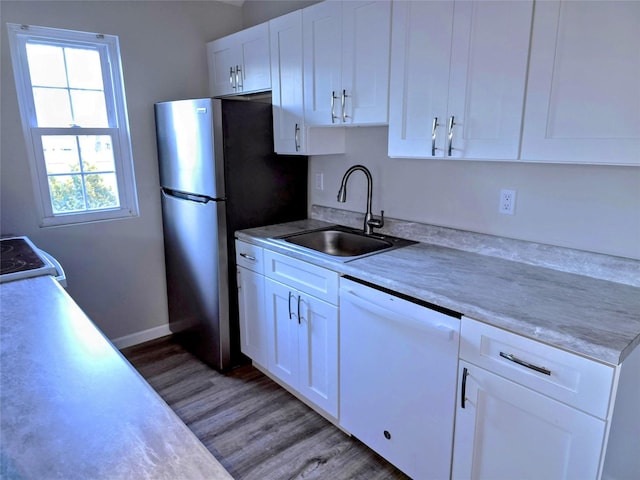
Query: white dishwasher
(398, 367)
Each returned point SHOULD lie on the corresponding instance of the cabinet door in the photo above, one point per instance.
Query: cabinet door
(253, 324)
(583, 94)
(505, 430)
(287, 94)
(318, 353)
(420, 53)
(322, 43)
(253, 47)
(222, 55)
(282, 322)
(487, 79)
(366, 32)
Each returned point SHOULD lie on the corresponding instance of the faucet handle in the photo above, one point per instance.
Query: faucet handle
(377, 222)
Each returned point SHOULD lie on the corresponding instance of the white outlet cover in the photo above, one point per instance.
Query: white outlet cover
(507, 202)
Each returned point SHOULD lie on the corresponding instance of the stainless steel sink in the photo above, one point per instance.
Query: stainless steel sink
(341, 241)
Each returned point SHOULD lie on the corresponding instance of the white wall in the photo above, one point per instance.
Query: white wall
(115, 269)
(592, 208)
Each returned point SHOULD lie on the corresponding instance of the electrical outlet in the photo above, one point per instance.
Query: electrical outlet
(507, 202)
(319, 179)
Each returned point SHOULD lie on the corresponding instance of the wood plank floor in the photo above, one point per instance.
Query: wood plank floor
(255, 428)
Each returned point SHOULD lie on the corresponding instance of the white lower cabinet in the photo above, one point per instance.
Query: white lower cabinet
(303, 328)
(527, 410)
(385, 371)
(504, 430)
(253, 325)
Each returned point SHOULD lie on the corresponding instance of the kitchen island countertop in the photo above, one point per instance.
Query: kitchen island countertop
(73, 408)
(595, 318)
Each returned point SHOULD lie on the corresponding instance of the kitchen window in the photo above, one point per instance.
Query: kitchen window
(72, 103)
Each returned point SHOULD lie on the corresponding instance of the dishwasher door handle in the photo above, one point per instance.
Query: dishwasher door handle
(410, 321)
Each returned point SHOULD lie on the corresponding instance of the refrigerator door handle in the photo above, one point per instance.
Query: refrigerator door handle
(192, 197)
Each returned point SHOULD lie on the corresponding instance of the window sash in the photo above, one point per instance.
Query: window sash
(43, 175)
(118, 130)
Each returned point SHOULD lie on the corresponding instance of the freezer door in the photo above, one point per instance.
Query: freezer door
(197, 287)
(184, 131)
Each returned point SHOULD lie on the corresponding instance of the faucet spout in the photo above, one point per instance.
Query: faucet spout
(369, 221)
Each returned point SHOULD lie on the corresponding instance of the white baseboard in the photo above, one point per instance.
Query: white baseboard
(141, 337)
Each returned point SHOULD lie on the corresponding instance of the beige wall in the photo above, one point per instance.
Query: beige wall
(586, 207)
(115, 269)
(258, 11)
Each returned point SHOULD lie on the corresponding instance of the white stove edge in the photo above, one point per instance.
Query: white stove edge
(51, 266)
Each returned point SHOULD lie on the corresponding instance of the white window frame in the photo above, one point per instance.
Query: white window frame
(118, 129)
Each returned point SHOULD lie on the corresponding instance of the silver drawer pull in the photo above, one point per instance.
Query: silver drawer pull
(248, 257)
(333, 105)
(514, 359)
(433, 136)
(290, 313)
(450, 135)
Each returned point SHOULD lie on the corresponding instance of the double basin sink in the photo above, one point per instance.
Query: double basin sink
(344, 243)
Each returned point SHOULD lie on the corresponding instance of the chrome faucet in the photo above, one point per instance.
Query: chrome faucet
(369, 222)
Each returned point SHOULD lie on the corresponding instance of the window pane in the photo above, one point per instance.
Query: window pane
(52, 107)
(97, 153)
(46, 65)
(102, 191)
(66, 193)
(89, 109)
(61, 154)
(83, 68)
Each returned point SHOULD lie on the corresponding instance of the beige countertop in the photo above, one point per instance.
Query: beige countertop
(73, 408)
(592, 317)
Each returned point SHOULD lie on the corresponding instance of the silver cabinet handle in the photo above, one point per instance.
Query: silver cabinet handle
(290, 313)
(333, 111)
(450, 135)
(231, 75)
(433, 136)
(238, 278)
(296, 137)
(248, 257)
(239, 79)
(514, 359)
(342, 104)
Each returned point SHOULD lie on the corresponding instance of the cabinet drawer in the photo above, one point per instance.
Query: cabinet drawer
(569, 378)
(303, 276)
(249, 256)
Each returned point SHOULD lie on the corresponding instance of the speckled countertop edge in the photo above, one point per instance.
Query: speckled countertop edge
(596, 265)
(72, 407)
(595, 318)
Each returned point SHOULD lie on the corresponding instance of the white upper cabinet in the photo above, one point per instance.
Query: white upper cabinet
(457, 87)
(239, 63)
(583, 97)
(290, 132)
(346, 62)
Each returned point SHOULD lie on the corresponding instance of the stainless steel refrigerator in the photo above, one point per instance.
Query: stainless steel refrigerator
(218, 174)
